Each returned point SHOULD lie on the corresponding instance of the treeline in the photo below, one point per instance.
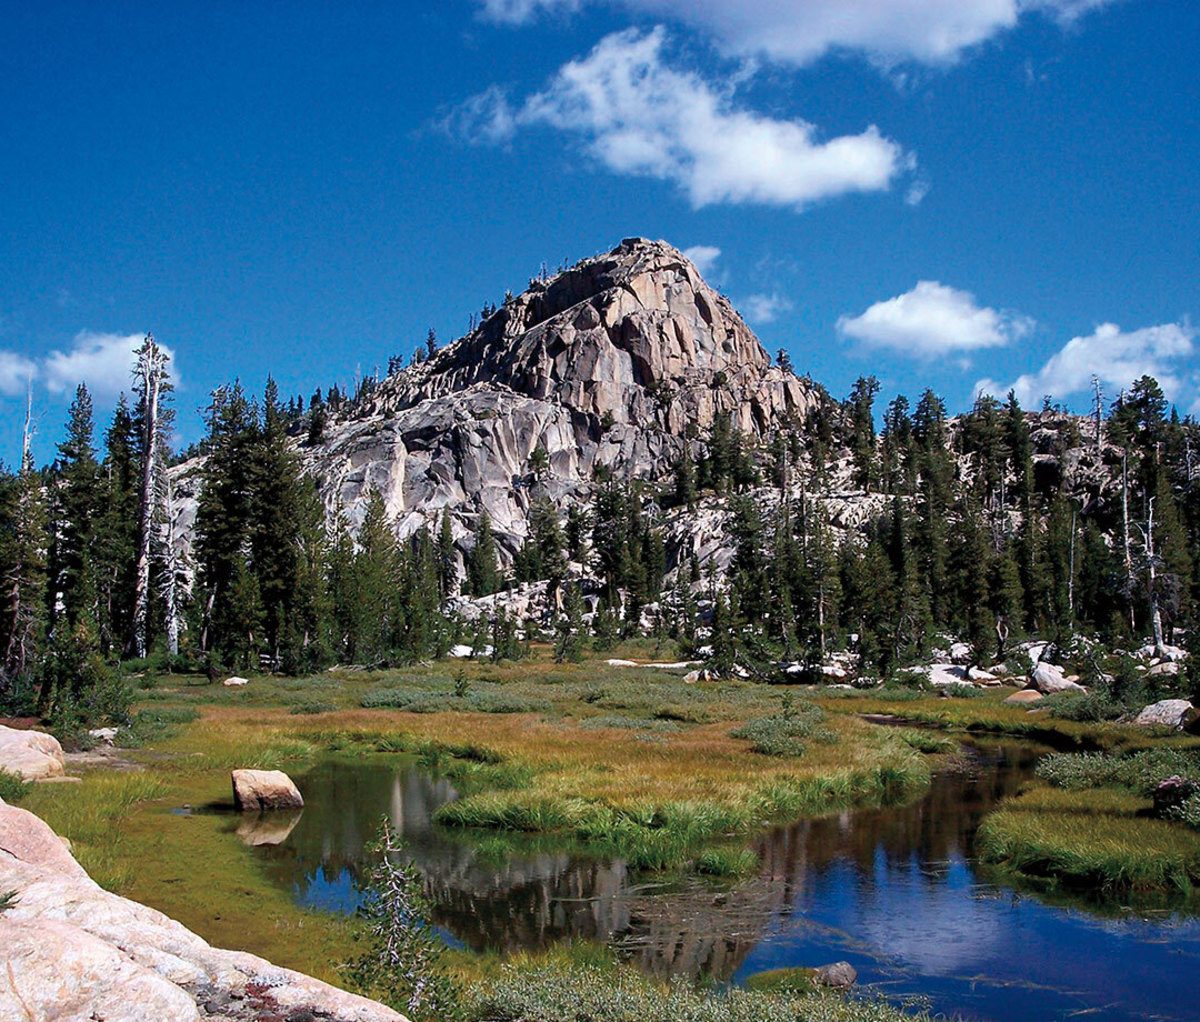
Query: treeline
(978, 535)
(991, 526)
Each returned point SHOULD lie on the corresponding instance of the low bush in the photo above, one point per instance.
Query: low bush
(311, 706)
(628, 723)
(1137, 772)
(154, 725)
(598, 993)
(13, 787)
(1093, 706)
(783, 734)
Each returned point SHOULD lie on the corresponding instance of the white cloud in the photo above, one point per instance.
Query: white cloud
(765, 308)
(101, 360)
(487, 118)
(1116, 358)
(703, 257)
(15, 373)
(640, 117)
(932, 320)
(517, 12)
(799, 32)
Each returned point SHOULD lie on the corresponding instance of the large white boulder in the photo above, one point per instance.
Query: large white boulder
(256, 790)
(34, 755)
(1171, 713)
(73, 952)
(1050, 678)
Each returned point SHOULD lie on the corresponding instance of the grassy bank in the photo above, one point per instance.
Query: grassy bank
(623, 762)
(1087, 824)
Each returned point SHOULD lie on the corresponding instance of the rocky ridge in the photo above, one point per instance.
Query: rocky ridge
(613, 367)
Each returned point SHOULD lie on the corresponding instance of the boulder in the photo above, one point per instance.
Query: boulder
(942, 675)
(73, 951)
(1171, 794)
(257, 790)
(1172, 713)
(1167, 669)
(34, 755)
(1050, 678)
(1025, 696)
(839, 975)
(235, 682)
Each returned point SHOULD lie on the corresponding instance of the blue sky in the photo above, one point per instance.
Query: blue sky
(946, 193)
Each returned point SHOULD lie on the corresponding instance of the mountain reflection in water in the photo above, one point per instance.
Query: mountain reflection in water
(891, 890)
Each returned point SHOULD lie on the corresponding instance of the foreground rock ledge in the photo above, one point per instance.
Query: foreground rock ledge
(73, 952)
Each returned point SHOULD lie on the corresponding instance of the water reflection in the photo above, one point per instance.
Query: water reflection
(893, 891)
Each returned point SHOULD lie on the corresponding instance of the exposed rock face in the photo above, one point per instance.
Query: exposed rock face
(75, 952)
(259, 790)
(34, 755)
(609, 367)
(1171, 713)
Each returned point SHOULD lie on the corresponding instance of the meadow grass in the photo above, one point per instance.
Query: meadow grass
(578, 773)
(1093, 839)
(567, 987)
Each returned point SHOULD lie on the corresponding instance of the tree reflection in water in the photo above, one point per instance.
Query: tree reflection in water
(893, 890)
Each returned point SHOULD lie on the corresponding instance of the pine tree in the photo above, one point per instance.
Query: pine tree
(862, 429)
(77, 500)
(483, 574)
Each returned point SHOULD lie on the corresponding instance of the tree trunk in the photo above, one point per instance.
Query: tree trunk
(151, 370)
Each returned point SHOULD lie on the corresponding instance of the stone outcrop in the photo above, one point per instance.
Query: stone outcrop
(264, 790)
(615, 366)
(75, 952)
(34, 755)
(1050, 678)
(1172, 713)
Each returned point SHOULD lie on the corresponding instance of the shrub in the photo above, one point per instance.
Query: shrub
(154, 725)
(311, 706)
(404, 965)
(1091, 707)
(596, 993)
(783, 734)
(1138, 772)
(627, 723)
(13, 787)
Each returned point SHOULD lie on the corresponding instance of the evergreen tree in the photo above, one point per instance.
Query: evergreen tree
(483, 574)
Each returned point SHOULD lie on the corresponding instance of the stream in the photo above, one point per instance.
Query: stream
(894, 891)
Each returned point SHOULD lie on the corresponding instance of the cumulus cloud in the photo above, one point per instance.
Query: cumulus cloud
(933, 320)
(703, 257)
(638, 116)
(15, 373)
(765, 308)
(103, 361)
(1117, 358)
(799, 32)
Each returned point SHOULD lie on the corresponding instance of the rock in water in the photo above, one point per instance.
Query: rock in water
(1172, 713)
(34, 755)
(256, 790)
(1050, 678)
(839, 975)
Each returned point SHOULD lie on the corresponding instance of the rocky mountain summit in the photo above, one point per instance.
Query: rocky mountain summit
(611, 367)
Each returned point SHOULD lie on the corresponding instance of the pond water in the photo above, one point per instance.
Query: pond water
(893, 891)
